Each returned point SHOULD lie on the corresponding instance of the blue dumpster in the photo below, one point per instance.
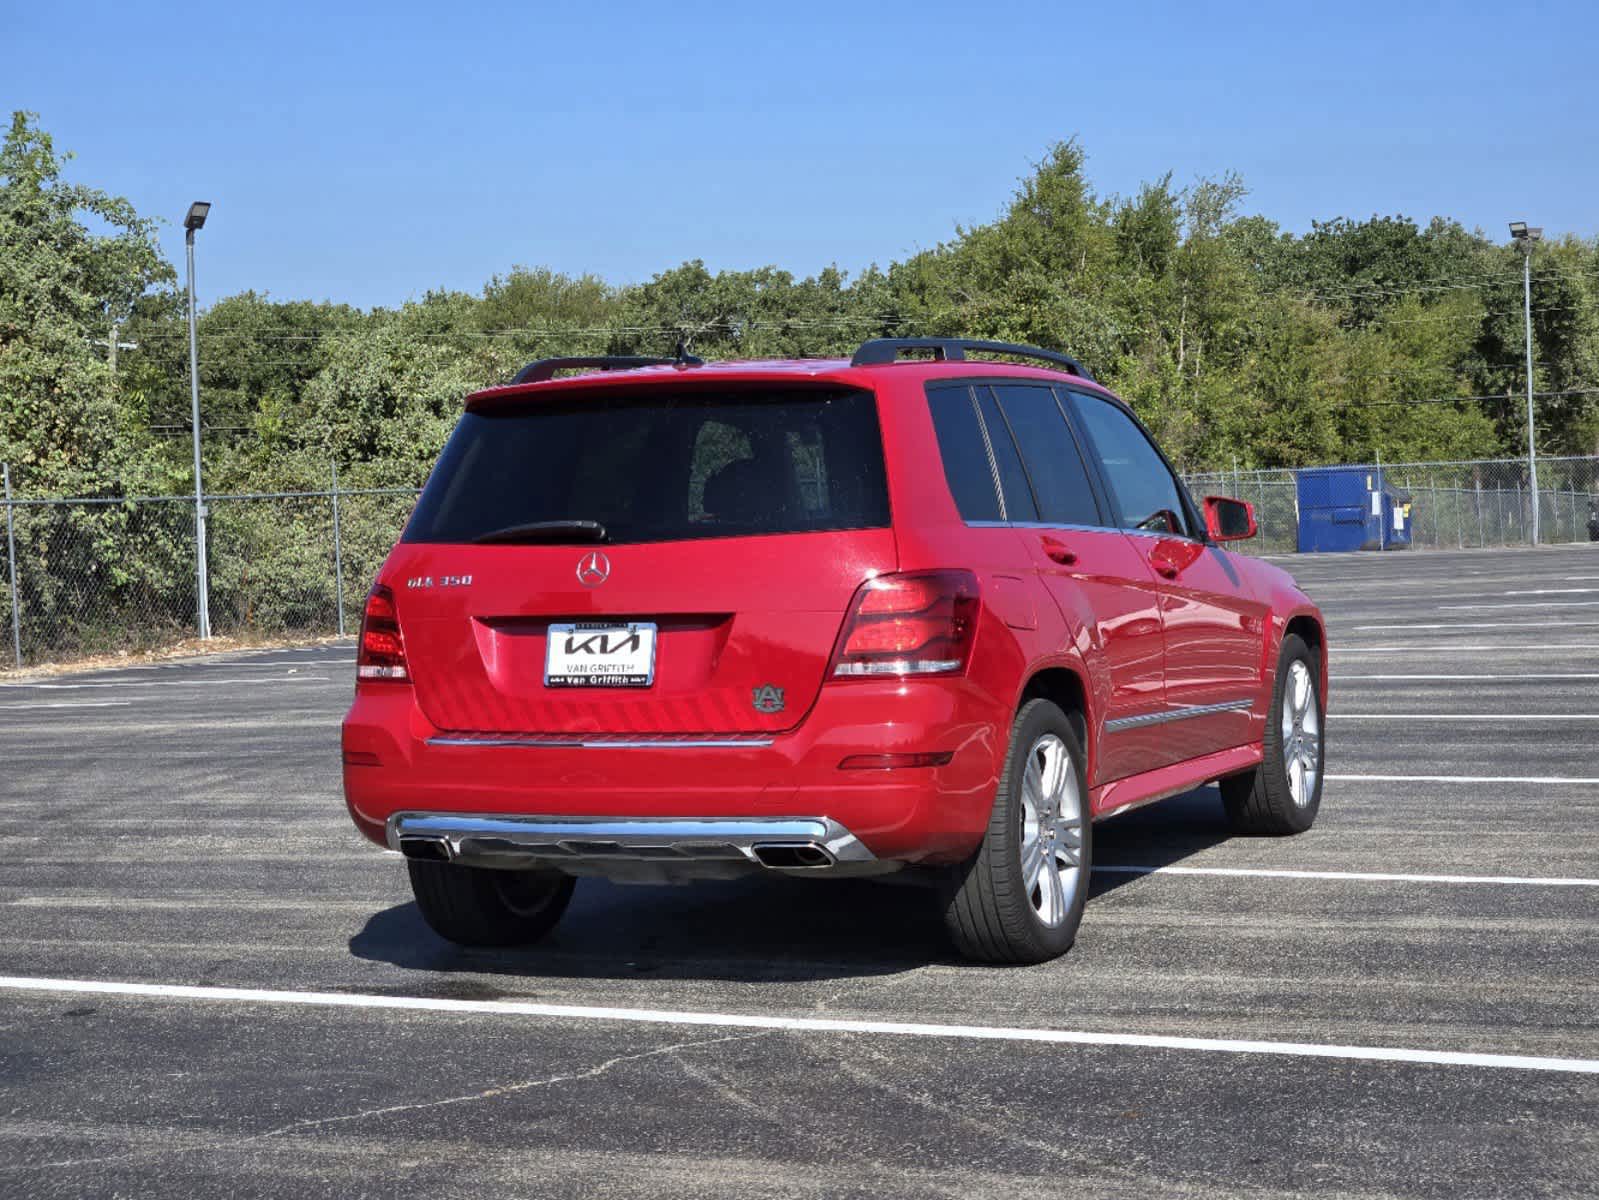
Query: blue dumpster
(1351, 508)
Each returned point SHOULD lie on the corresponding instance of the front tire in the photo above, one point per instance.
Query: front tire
(1283, 794)
(477, 906)
(1020, 898)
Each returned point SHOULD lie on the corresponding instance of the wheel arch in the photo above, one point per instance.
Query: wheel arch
(1309, 628)
(1064, 687)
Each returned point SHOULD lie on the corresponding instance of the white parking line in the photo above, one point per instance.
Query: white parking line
(1549, 592)
(1523, 604)
(1435, 648)
(1341, 676)
(71, 704)
(1364, 876)
(1343, 716)
(1408, 625)
(658, 1016)
(1549, 779)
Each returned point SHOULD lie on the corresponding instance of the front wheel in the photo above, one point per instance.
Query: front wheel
(1283, 794)
(1020, 898)
(478, 906)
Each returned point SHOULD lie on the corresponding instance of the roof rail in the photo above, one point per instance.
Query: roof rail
(881, 351)
(545, 368)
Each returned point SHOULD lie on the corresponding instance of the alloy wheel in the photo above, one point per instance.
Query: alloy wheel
(1052, 829)
(1301, 730)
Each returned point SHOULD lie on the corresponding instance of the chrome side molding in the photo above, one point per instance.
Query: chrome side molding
(1121, 724)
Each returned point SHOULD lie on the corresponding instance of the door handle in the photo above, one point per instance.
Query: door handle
(1058, 552)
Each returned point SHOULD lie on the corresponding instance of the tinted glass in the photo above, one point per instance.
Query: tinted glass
(1144, 489)
(1060, 481)
(663, 467)
(1019, 504)
(960, 444)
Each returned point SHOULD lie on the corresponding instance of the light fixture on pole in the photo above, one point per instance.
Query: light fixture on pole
(196, 220)
(1525, 236)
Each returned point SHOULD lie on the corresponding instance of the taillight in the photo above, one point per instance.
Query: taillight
(381, 654)
(909, 625)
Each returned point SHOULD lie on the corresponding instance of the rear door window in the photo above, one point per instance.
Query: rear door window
(1050, 454)
(1019, 504)
(967, 467)
(659, 466)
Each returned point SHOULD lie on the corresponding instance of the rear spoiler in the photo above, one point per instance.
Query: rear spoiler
(545, 368)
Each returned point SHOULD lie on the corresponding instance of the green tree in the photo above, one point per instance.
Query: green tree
(64, 290)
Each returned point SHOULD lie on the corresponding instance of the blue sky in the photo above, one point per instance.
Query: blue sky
(370, 153)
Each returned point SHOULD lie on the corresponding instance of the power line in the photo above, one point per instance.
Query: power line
(1384, 322)
(1445, 284)
(1513, 398)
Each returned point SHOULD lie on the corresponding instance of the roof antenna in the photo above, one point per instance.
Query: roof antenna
(681, 355)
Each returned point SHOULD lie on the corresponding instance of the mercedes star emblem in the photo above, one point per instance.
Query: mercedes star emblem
(593, 569)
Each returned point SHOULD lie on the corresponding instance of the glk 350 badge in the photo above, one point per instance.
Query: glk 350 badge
(443, 581)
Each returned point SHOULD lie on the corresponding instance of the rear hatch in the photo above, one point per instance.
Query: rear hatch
(688, 554)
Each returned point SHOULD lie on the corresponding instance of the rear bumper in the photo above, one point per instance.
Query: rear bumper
(640, 848)
(398, 767)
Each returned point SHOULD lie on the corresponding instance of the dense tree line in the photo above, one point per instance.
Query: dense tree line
(1234, 339)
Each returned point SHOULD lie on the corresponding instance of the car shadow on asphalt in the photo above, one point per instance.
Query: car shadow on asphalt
(1161, 835)
(768, 929)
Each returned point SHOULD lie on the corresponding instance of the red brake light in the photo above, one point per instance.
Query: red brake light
(909, 625)
(381, 654)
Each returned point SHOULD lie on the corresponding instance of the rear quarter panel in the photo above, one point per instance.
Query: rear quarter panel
(1021, 630)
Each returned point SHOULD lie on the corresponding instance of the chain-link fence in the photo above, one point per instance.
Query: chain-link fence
(1452, 505)
(102, 576)
(96, 576)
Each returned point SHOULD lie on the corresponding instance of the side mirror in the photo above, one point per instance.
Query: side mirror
(1228, 520)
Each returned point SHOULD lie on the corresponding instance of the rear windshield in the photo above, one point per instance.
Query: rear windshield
(662, 467)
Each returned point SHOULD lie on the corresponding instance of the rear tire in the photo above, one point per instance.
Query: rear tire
(476, 906)
(1020, 898)
(1283, 794)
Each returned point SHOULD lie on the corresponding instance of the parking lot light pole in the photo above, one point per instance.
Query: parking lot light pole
(1525, 237)
(196, 220)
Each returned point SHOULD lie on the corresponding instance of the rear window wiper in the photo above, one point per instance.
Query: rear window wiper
(547, 531)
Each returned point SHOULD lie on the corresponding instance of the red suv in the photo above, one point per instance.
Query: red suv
(668, 620)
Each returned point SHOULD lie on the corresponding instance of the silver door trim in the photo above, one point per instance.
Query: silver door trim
(1122, 724)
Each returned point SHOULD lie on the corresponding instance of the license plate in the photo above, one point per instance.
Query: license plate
(600, 654)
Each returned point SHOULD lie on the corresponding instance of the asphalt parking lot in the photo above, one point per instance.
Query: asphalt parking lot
(1416, 980)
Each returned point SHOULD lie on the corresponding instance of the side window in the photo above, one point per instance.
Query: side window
(1049, 451)
(1143, 487)
(1019, 504)
(965, 455)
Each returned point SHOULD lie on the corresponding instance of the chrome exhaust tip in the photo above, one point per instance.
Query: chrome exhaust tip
(426, 849)
(791, 855)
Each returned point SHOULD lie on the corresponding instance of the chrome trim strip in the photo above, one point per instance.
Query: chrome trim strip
(1044, 525)
(1121, 724)
(601, 743)
(604, 839)
(988, 449)
(1170, 537)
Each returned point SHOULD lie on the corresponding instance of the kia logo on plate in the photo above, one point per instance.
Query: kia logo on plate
(593, 569)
